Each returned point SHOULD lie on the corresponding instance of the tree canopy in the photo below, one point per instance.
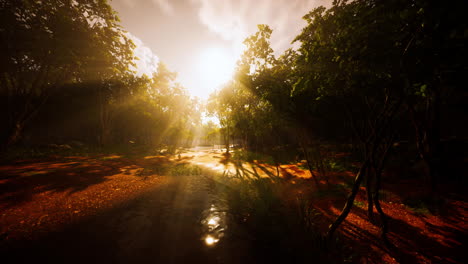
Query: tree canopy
(50, 50)
(366, 72)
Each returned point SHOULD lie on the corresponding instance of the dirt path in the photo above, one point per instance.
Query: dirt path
(213, 159)
(164, 225)
(113, 209)
(108, 210)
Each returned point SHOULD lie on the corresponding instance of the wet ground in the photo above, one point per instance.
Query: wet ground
(114, 209)
(178, 221)
(118, 211)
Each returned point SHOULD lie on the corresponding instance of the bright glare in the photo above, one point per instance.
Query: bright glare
(215, 67)
(209, 240)
(212, 221)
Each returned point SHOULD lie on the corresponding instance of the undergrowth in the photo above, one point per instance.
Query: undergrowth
(277, 229)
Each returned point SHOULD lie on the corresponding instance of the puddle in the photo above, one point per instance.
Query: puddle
(214, 225)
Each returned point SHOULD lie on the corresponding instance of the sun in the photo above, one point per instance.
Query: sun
(215, 67)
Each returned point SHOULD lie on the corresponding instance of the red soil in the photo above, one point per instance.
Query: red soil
(37, 197)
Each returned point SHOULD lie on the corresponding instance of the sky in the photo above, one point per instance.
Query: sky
(202, 39)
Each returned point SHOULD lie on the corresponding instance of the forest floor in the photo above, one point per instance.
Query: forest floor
(135, 209)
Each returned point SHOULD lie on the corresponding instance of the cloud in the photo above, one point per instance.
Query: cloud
(147, 62)
(235, 20)
(165, 6)
(224, 17)
(129, 3)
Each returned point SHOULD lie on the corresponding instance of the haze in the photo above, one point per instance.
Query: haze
(202, 39)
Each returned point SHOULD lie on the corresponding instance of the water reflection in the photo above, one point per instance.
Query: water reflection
(213, 221)
(214, 225)
(209, 240)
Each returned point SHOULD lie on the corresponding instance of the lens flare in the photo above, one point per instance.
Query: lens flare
(209, 240)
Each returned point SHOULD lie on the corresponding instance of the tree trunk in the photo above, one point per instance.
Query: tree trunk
(349, 202)
(370, 204)
(434, 165)
(383, 217)
(105, 119)
(427, 130)
(309, 166)
(226, 140)
(14, 135)
(19, 121)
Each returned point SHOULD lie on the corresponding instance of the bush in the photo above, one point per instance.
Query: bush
(278, 229)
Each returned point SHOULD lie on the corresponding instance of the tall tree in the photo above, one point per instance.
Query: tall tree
(45, 44)
(348, 59)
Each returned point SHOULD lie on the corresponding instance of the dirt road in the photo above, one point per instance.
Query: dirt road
(153, 209)
(167, 219)
(173, 223)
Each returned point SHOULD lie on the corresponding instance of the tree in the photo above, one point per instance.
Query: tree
(368, 62)
(46, 44)
(434, 65)
(272, 80)
(348, 58)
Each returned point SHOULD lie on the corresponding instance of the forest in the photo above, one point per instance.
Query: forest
(348, 147)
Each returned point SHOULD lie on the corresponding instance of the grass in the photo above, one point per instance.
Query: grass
(249, 156)
(384, 195)
(419, 206)
(420, 210)
(280, 229)
(64, 150)
(359, 203)
(176, 169)
(347, 183)
(184, 170)
(280, 154)
(337, 165)
(288, 156)
(276, 229)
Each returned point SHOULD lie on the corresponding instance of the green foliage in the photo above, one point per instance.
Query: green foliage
(185, 170)
(159, 112)
(419, 206)
(46, 44)
(426, 204)
(359, 204)
(75, 57)
(337, 166)
(249, 156)
(363, 73)
(210, 134)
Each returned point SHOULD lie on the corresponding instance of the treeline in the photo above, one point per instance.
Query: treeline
(67, 73)
(367, 74)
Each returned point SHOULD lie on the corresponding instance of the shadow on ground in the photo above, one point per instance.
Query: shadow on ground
(20, 181)
(159, 226)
